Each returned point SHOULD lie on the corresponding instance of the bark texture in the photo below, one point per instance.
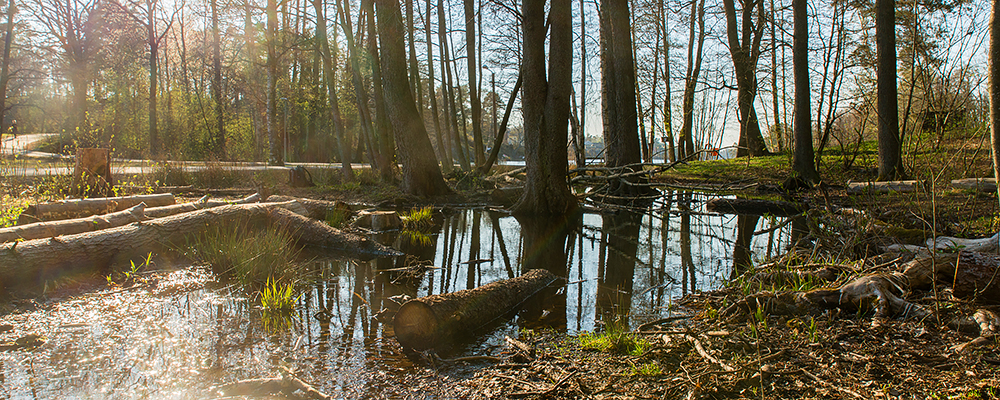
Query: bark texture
(621, 137)
(888, 104)
(744, 38)
(435, 320)
(545, 107)
(803, 157)
(421, 173)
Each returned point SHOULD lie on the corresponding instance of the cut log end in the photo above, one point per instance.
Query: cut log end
(416, 325)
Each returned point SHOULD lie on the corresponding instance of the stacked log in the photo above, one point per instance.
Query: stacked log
(77, 208)
(33, 261)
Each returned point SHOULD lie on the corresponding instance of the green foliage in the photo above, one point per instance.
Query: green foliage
(647, 369)
(418, 218)
(615, 339)
(278, 297)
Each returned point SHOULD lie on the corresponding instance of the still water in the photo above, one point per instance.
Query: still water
(188, 334)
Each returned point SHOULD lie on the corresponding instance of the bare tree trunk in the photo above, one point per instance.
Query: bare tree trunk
(385, 156)
(477, 108)
(744, 45)
(457, 147)
(802, 159)
(888, 104)
(994, 77)
(668, 119)
(8, 39)
(418, 92)
(685, 141)
(582, 141)
(777, 129)
(621, 139)
(443, 154)
(330, 78)
(275, 139)
(219, 142)
(545, 105)
(498, 140)
(421, 174)
(361, 95)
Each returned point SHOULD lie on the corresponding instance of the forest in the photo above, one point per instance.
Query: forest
(494, 199)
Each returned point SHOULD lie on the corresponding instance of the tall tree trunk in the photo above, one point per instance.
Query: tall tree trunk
(421, 174)
(685, 142)
(668, 119)
(621, 138)
(451, 108)
(802, 159)
(8, 39)
(383, 131)
(582, 139)
(994, 77)
(889, 148)
(275, 139)
(545, 107)
(477, 108)
(745, 53)
(777, 129)
(154, 73)
(443, 155)
(414, 72)
(219, 142)
(330, 77)
(360, 94)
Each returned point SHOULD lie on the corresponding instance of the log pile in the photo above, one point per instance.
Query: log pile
(77, 208)
(44, 251)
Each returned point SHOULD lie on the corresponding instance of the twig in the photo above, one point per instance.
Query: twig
(701, 350)
(825, 383)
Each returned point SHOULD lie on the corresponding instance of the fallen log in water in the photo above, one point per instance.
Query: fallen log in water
(755, 207)
(434, 320)
(33, 261)
(76, 208)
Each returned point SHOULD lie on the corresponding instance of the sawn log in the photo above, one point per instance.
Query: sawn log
(430, 321)
(33, 261)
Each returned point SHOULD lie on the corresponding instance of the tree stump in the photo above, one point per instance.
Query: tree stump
(92, 176)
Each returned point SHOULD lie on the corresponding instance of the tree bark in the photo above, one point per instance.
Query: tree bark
(386, 152)
(477, 108)
(421, 174)
(755, 207)
(618, 83)
(435, 320)
(803, 164)
(745, 53)
(889, 147)
(219, 139)
(545, 108)
(994, 79)
(37, 261)
(274, 136)
(8, 40)
(330, 78)
(685, 141)
(446, 162)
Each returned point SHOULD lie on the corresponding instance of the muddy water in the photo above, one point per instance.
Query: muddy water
(183, 334)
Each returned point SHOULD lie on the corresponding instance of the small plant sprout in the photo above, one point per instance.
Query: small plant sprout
(418, 219)
(278, 297)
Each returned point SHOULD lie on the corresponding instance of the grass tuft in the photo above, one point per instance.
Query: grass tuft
(616, 339)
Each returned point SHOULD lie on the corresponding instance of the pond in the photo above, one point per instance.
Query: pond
(186, 334)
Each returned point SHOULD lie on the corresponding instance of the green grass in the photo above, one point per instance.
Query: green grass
(418, 218)
(278, 297)
(616, 340)
(647, 369)
(251, 256)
